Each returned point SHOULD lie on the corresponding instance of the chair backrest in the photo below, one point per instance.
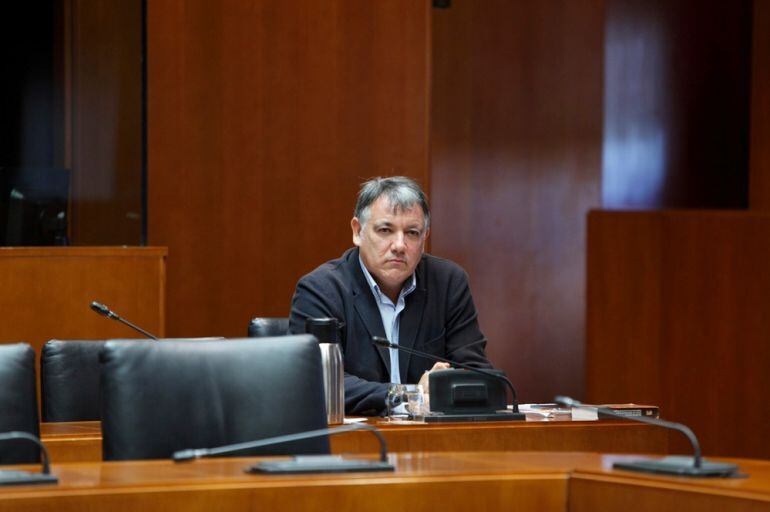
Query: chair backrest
(162, 397)
(69, 380)
(262, 327)
(18, 402)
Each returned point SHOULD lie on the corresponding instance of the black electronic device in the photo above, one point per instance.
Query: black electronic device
(105, 311)
(694, 466)
(456, 391)
(15, 477)
(457, 396)
(301, 463)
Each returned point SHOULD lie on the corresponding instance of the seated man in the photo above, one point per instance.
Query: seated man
(386, 286)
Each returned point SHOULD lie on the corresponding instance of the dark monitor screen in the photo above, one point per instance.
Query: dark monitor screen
(33, 206)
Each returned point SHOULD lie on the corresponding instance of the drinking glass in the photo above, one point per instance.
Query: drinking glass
(415, 404)
(397, 401)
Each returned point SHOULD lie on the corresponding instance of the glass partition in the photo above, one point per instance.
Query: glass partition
(72, 130)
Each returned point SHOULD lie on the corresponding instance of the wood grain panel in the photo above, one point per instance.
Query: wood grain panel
(82, 441)
(604, 436)
(505, 481)
(47, 292)
(264, 117)
(625, 306)
(703, 316)
(591, 490)
(759, 151)
(453, 481)
(716, 325)
(516, 130)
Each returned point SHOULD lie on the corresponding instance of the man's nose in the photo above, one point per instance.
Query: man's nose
(399, 244)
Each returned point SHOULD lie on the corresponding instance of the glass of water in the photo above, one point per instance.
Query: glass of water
(404, 401)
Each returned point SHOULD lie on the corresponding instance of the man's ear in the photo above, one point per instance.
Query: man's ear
(355, 225)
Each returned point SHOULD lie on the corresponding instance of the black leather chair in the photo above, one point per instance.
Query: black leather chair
(18, 402)
(69, 380)
(162, 397)
(261, 327)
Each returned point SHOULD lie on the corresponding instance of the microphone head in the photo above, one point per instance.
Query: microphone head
(184, 455)
(100, 308)
(566, 401)
(103, 310)
(382, 342)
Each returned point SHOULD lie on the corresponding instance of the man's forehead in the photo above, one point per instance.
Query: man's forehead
(385, 212)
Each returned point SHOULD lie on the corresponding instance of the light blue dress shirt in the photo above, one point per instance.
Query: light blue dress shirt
(391, 316)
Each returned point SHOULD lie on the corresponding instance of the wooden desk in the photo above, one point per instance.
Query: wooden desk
(596, 436)
(82, 441)
(460, 481)
(596, 488)
(73, 441)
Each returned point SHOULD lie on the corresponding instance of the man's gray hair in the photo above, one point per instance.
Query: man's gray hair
(403, 193)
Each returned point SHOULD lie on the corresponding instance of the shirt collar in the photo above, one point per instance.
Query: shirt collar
(406, 290)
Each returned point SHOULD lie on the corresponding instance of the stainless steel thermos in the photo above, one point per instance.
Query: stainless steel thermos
(327, 330)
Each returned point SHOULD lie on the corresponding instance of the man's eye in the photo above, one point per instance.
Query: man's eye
(413, 234)
(383, 230)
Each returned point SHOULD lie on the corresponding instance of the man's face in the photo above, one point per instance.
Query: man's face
(390, 243)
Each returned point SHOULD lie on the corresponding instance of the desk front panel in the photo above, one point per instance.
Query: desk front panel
(82, 441)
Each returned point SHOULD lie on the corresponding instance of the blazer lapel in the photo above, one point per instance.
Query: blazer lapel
(367, 308)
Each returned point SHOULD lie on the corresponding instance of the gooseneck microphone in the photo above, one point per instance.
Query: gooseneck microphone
(105, 311)
(673, 465)
(11, 477)
(299, 464)
(382, 342)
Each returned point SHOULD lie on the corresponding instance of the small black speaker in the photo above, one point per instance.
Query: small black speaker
(442, 4)
(456, 391)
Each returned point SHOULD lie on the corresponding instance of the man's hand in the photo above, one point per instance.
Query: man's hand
(425, 376)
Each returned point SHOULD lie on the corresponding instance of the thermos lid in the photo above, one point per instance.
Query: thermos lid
(325, 329)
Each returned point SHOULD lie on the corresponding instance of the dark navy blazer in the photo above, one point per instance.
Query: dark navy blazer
(439, 318)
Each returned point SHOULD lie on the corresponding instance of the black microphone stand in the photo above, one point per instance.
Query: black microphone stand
(299, 464)
(684, 466)
(105, 311)
(12, 477)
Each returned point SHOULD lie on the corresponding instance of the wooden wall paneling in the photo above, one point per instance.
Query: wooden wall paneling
(47, 292)
(516, 130)
(716, 325)
(106, 131)
(759, 174)
(264, 118)
(624, 344)
(709, 333)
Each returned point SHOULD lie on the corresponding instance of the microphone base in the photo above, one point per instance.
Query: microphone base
(319, 464)
(680, 466)
(470, 417)
(11, 477)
